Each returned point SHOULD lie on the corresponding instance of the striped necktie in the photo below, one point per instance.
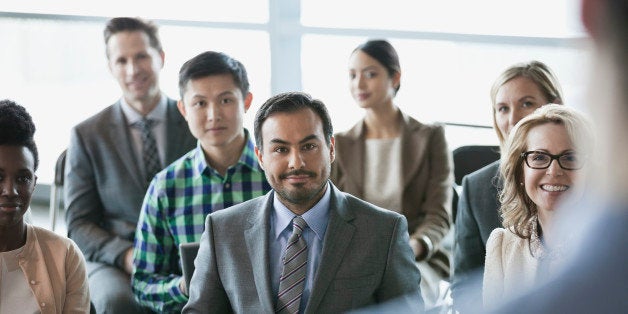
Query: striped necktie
(150, 155)
(294, 267)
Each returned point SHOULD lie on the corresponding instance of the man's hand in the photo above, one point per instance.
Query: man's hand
(128, 261)
(418, 248)
(183, 287)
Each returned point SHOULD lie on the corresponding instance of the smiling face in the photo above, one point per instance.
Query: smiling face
(296, 158)
(135, 65)
(516, 99)
(17, 183)
(547, 187)
(369, 81)
(214, 108)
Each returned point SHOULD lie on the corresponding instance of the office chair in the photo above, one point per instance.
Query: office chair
(56, 190)
(468, 159)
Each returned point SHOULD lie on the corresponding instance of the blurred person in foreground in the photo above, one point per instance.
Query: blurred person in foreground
(543, 163)
(40, 271)
(596, 278)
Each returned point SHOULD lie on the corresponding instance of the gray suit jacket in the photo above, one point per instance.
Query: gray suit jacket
(104, 185)
(365, 260)
(478, 215)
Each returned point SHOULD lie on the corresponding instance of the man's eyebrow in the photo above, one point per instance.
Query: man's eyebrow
(305, 139)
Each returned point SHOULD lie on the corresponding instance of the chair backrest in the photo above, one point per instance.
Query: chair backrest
(56, 190)
(470, 158)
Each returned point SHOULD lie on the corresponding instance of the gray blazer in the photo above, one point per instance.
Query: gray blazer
(104, 185)
(478, 215)
(365, 260)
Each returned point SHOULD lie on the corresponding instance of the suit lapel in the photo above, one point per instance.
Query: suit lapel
(339, 227)
(256, 236)
(124, 149)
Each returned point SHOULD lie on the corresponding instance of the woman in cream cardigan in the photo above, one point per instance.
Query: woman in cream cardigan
(40, 271)
(393, 161)
(542, 165)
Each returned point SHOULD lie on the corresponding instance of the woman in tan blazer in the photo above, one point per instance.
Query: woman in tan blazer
(40, 271)
(395, 162)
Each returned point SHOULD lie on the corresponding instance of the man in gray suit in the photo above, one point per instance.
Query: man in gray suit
(351, 254)
(111, 160)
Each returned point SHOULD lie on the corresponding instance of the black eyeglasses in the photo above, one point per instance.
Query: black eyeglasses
(542, 160)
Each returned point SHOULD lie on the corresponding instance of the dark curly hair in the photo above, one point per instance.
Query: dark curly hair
(17, 127)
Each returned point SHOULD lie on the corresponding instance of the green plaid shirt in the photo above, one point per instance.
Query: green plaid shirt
(175, 207)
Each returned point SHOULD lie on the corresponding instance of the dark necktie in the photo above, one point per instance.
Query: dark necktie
(294, 267)
(150, 155)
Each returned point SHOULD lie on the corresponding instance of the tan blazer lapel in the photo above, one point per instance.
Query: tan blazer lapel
(257, 243)
(352, 159)
(339, 227)
(414, 140)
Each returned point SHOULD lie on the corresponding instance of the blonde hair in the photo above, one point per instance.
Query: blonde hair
(517, 209)
(534, 70)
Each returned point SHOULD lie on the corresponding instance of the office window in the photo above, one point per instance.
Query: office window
(442, 81)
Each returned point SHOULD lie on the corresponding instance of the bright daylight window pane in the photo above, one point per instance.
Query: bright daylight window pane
(441, 81)
(248, 11)
(555, 18)
(58, 71)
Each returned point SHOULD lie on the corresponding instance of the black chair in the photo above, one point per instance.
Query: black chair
(468, 159)
(56, 190)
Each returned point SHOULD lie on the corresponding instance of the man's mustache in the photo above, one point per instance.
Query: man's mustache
(297, 173)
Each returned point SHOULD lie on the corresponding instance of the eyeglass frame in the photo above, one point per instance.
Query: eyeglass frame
(524, 156)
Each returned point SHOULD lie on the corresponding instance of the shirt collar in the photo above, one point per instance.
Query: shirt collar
(247, 157)
(316, 218)
(157, 114)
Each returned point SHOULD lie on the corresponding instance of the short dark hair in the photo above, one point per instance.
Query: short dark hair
(131, 24)
(17, 128)
(211, 63)
(382, 51)
(292, 102)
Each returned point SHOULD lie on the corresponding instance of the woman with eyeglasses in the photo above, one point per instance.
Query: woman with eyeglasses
(542, 165)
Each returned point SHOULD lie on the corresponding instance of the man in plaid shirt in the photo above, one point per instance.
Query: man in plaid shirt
(220, 172)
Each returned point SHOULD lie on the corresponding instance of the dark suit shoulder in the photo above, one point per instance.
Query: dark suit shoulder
(98, 121)
(361, 207)
(240, 211)
(488, 173)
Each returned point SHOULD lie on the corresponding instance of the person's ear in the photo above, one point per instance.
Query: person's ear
(162, 56)
(247, 101)
(590, 14)
(396, 80)
(181, 108)
(260, 159)
(332, 149)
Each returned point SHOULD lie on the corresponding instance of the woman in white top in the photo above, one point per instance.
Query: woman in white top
(40, 271)
(396, 162)
(542, 164)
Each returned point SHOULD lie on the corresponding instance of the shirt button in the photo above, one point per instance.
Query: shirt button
(43, 304)
(227, 185)
(32, 282)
